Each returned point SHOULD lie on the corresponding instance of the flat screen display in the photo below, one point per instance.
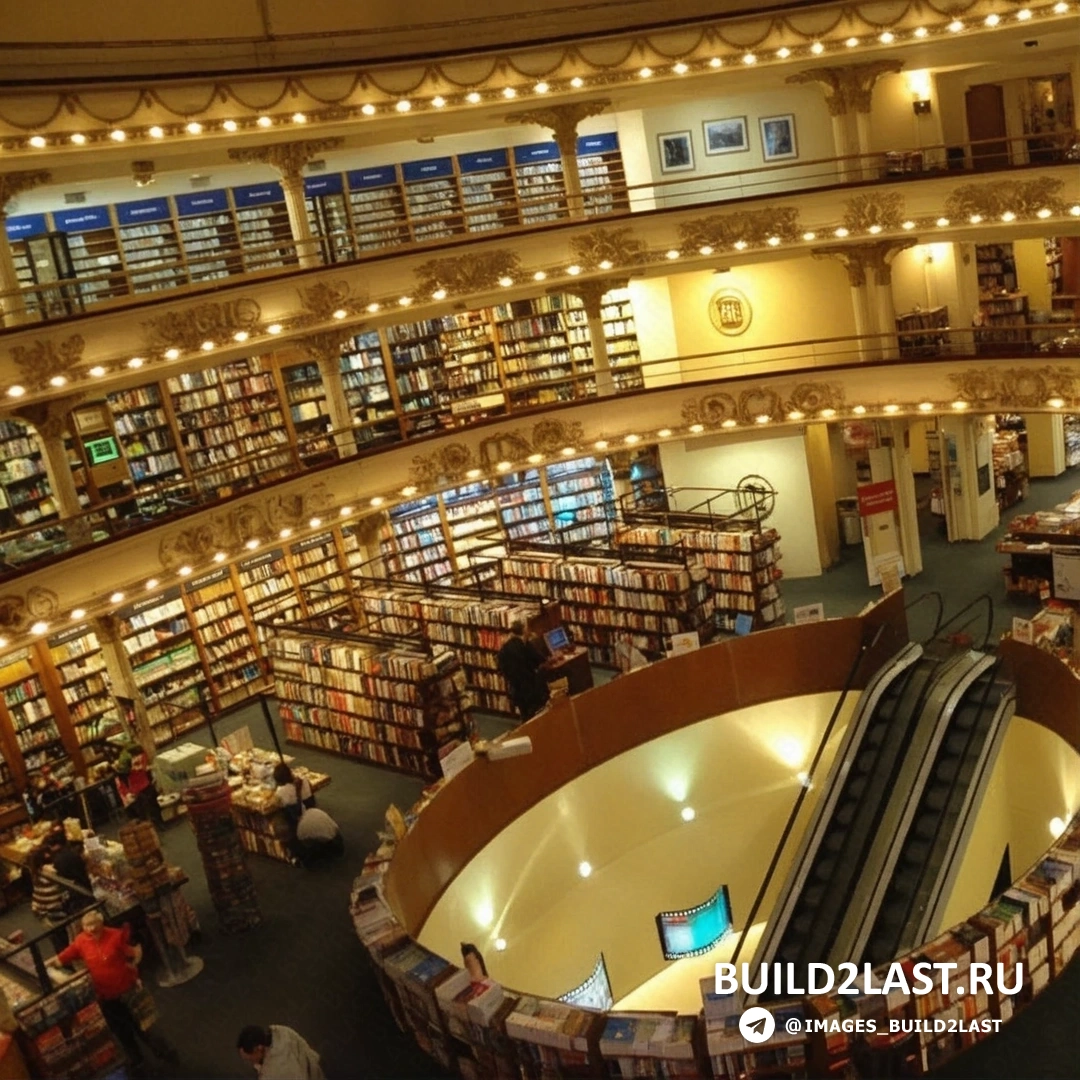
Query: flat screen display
(697, 929)
(594, 992)
(101, 450)
(557, 639)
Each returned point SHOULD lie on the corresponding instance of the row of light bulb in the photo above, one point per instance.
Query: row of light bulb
(573, 270)
(542, 87)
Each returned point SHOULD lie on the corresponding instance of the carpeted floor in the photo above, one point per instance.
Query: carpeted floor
(303, 967)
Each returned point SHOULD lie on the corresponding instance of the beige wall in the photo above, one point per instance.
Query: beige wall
(654, 318)
(894, 125)
(791, 299)
(624, 818)
(1031, 276)
(1036, 778)
(934, 275)
(713, 463)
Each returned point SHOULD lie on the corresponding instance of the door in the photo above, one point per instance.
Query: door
(985, 107)
(50, 261)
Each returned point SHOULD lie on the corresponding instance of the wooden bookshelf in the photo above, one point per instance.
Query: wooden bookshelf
(262, 222)
(377, 204)
(327, 208)
(270, 591)
(581, 497)
(80, 669)
(26, 497)
(603, 177)
(922, 333)
(309, 414)
(208, 235)
(389, 705)
(413, 542)
(620, 335)
(368, 392)
(523, 506)
(487, 190)
(150, 242)
(94, 251)
(432, 199)
(419, 375)
(540, 184)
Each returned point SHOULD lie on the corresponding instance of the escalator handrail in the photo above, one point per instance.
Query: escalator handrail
(864, 648)
(940, 609)
(967, 607)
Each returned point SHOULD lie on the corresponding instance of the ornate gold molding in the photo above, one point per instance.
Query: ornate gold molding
(470, 273)
(50, 418)
(289, 158)
(750, 228)
(450, 463)
(234, 526)
(18, 612)
(1024, 198)
(603, 248)
(326, 345)
(46, 359)
(15, 183)
(324, 299)
(591, 292)
(211, 320)
(445, 465)
(859, 259)
(562, 120)
(849, 87)
(1016, 388)
(716, 408)
(882, 210)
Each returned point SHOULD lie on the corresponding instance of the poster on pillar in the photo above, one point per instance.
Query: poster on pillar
(877, 498)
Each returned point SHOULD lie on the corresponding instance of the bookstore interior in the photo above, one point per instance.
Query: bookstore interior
(365, 380)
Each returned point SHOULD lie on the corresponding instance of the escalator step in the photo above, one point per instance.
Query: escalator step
(874, 736)
(926, 826)
(855, 788)
(823, 868)
(934, 798)
(845, 814)
(864, 763)
(956, 743)
(946, 769)
(964, 718)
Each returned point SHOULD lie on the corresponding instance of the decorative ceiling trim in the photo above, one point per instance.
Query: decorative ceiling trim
(190, 329)
(473, 272)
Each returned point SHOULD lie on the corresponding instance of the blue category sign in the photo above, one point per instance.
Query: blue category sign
(429, 169)
(258, 194)
(377, 176)
(19, 228)
(132, 213)
(329, 184)
(483, 160)
(83, 219)
(202, 202)
(597, 144)
(537, 151)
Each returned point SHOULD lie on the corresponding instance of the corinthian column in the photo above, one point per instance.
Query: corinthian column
(591, 293)
(289, 159)
(325, 350)
(12, 302)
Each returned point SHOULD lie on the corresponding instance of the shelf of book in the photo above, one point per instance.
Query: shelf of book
(523, 508)
(603, 177)
(94, 250)
(432, 199)
(80, 668)
(146, 436)
(413, 542)
(262, 221)
(387, 704)
(540, 183)
(309, 413)
(471, 514)
(226, 416)
(368, 392)
(150, 244)
(377, 205)
(270, 591)
(167, 666)
(471, 365)
(209, 236)
(327, 209)
(317, 568)
(26, 497)
(581, 494)
(487, 190)
(417, 364)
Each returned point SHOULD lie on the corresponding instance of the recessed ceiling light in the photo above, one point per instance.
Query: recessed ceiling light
(705, 249)
(78, 138)
(409, 491)
(373, 307)
(500, 944)
(404, 105)
(252, 544)
(264, 121)
(240, 336)
(535, 459)
(135, 362)
(377, 500)
(577, 82)
(992, 19)
(573, 270)
(841, 232)
(1060, 8)
(631, 439)
(601, 444)
(567, 451)
(230, 125)
(16, 390)
(299, 118)
(509, 92)
(887, 37)
(680, 68)
(438, 101)
(506, 281)
(851, 42)
(773, 241)
(439, 294)
(697, 429)
(796, 414)
(184, 571)
(503, 466)
(729, 423)
(605, 264)
(274, 328)
(975, 219)
(1008, 216)
(762, 419)
(473, 98)
(39, 628)
(1024, 14)
(584, 868)
(664, 432)
(817, 48)
(341, 313)
(783, 53)
(97, 371)
(38, 142)
(219, 556)
(859, 410)
(1056, 403)
(942, 222)
(1045, 212)
(539, 276)
(891, 408)
(926, 406)
(58, 381)
(541, 88)
(874, 230)
(117, 135)
(171, 354)
(739, 245)
(920, 31)
(284, 534)
(716, 62)
(749, 58)
(368, 109)
(956, 26)
(687, 813)
(959, 406)
(116, 597)
(404, 301)
(315, 522)
(194, 128)
(672, 254)
(78, 613)
(908, 226)
(473, 474)
(645, 73)
(1057, 827)
(207, 346)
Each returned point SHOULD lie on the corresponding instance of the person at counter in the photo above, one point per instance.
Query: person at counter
(135, 785)
(520, 663)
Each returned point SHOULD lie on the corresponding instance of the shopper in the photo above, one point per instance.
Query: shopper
(317, 837)
(293, 792)
(113, 964)
(49, 900)
(278, 1053)
(135, 784)
(520, 667)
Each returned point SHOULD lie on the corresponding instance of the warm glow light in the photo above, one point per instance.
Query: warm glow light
(975, 219)
(887, 38)
(942, 222)
(135, 362)
(956, 26)
(503, 466)
(409, 491)
(687, 813)
(1024, 14)
(992, 20)
(574, 270)
(340, 313)
(38, 142)
(851, 42)
(117, 135)
(577, 82)
(170, 354)
(345, 511)
(567, 451)
(672, 254)
(219, 556)
(697, 429)
(473, 98)
(252, 544)
(194, 128)
(283, 535)
(78, 138)
(795, 414)
(739, 245)
(1057, 827)
(373, 307)
(827, 413)
(58, 381)
(264, 121)
(207, 346)
(874, 230)
(274, 328)
(439, 294)
(645, 73)
(809, 235)
(404, 105)
(773, 241)
(368, 109)
(1075, 211)
(892, 408)
(78, 613)
(1056, 403)
(817, 48)
(762, 419)
(605, 264)
(705, 249)
(920, 31)
(729, 423)
(97, 371)
(959, 406)
(116, 597)
(473, 474)
(859, 410)
(716, 62)
(783, 53)
(789, 750)
(664, 432)
(299, 118)
(16, 390)
(315, 522)
(541, 88)
(151, 583)
(377, 500)
(535, 459)
(404, 301)
(506, 281)
(1061, 8)
(841, 232)
(584, 868)
(1008, 216)
(749, 58)
(539, 276)
(926, 406)
(39, 628)
(631, 439)
(230, 125)
(500, 944)
(1044, 213)
(438, 101)
(680, 68)
(601, 444)
(184, 571)
(908, 225)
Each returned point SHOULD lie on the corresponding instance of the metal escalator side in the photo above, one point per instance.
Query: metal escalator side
(914, 902)
(966, 670)
(885, 687)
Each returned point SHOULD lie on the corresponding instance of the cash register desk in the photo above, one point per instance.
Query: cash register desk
(572, 665)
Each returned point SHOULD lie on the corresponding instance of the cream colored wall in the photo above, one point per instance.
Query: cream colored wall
(920, 456)
(1045, 443)
(823, 490)
(934, 275)
(654, 318)
(843, 464)
(713, 463)
(893, 123)
(1031, 276)
(624, 818)
(1036, 778)
(791, 299)
(813, 137)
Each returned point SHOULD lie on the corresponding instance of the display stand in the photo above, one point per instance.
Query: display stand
(232, 890)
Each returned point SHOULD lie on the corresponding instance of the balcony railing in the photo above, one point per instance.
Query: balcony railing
(152, 505)
(119, 285)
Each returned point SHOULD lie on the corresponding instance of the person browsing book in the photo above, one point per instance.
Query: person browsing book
(278, 1053)
(520, 666)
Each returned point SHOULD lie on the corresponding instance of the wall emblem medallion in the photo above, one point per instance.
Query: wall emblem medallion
(730, 312)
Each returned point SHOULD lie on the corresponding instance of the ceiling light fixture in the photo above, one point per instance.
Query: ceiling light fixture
(274, 328)
(96, 371)
(78, 613)
(193, 128)
(264, 121)
(78, 138)
(230, 125)
(170, 354)
(438, 101)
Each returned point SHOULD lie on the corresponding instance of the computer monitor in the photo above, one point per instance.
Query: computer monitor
(557, 639)
(101, 450)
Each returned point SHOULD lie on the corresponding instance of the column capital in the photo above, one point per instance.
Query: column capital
(592, 292)
(15, 183)
(860, 259)
(562, 120)
(473, 272)
(326, 345)
(50, 418)
(848, 87)
(289, 158)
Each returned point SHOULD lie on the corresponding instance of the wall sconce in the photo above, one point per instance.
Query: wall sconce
(921, 107)
(919, 85)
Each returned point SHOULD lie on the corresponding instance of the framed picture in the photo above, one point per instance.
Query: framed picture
(725, 136)
(676, 151)
(778, 137)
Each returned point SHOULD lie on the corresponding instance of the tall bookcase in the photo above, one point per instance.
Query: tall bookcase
(270, 590)
(321, 583)
(34, 721)
(25, 494)
(1002, 309)
(367, 390)
(432, 199)
(523, 507)
(487, 190)
(417, 359)
(377, 206)
(262, 221)
(151, 245)
(413, 542)
(308, 411)
(386, 703)
(603, 177)
(80, 668)
(471, 513)
(93, 248)
(620, 335)
(581, 494)
(541, 186)
(208, 235)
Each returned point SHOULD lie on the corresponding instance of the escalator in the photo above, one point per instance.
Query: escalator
(877, 779)
(909, 901)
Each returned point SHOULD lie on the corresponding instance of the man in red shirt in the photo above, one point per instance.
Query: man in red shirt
(113, 964)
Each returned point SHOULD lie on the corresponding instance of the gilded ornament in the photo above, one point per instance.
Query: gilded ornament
(470, 273)
(849, 87)
(759, 401)
(710, 409)
(187, 328)
(810, 398)
(13, 184)
(326, 344)
(876, 209)
(1015, 387)
(46, 359)
(321, 300)
(1024, 198)
(289, 158)
(602, 248)
(448, 463)
(752, 228)
(18, 613)
(509, 446)
(550, 435)
(561, 120)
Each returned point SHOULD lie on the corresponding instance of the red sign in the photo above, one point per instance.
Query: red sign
(877, 498)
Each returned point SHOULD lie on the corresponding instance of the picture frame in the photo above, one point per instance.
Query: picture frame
(727, 136)
(676, 151)
(778, 138)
